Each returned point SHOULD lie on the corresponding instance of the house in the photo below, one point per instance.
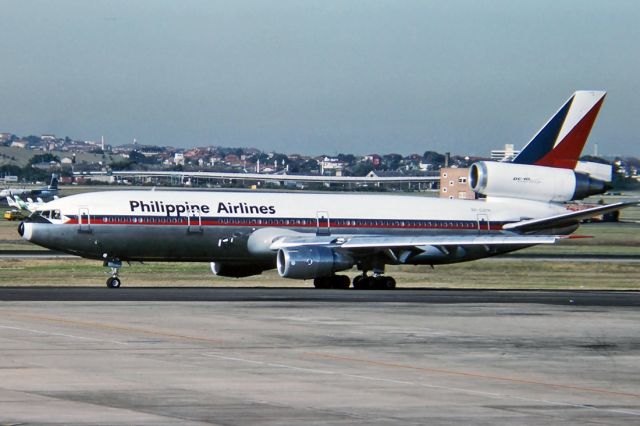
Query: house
(331, 164)
(178, 159)
(375, 159)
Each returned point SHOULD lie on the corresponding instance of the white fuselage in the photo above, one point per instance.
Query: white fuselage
(208, 226)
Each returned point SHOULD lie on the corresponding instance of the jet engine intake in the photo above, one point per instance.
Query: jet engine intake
(538, 183)
(311, 262)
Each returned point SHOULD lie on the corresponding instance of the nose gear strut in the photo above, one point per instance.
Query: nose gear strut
(114, 280)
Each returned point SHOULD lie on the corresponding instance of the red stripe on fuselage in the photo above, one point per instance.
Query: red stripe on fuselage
(282, 223)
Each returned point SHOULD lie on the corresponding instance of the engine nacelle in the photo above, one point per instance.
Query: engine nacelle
(529, 182)
(311, 262)
(235, 270)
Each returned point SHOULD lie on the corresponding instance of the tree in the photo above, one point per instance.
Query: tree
(392, 161)
(137, 157)
(349, 159)
(432, 157)
(43, 158)
(362, 168)
(11, 170)
(305, 167)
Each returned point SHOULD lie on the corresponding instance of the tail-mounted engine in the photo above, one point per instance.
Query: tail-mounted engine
(311, 262)
(529, 182)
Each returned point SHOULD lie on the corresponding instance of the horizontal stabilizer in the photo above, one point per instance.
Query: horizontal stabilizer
(566, 218)
(603, 172)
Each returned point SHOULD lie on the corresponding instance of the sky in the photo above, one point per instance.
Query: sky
(318, 77)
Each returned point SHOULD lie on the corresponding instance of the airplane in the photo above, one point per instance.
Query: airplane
(45, 192)
(316, 235)
(29, 205)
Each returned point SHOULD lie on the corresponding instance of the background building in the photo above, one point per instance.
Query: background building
(454, 183)
(506, 154)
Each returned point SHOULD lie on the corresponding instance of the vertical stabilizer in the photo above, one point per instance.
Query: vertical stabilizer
(561, 140)
(54, 181)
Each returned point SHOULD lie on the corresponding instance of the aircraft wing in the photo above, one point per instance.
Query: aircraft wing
(516, 234)
(390, 241)
(565, 218)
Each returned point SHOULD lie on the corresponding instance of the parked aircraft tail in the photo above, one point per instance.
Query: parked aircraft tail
(560, 141)
(20, 203)
(11, 202)
(54, 181)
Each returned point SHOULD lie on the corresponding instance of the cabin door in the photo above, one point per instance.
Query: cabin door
(483, 223)
(323, 224)
(194, 222)
(84, 220)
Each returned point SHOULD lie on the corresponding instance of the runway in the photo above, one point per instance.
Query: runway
(231, 294)
(228, 356)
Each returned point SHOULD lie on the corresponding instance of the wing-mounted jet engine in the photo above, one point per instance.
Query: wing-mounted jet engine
(309, 262)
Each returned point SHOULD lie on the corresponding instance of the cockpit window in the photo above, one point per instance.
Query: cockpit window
(48, 214)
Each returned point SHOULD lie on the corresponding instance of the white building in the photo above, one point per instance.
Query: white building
(506, 154)
(331, 164)
(178, 159)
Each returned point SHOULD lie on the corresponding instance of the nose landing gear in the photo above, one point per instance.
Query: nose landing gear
(114, 280)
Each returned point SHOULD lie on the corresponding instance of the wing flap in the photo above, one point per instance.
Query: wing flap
(390, 241)
(472, 240)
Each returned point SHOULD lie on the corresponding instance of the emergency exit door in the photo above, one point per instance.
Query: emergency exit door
(483, 223)
(84, 220)
(323, 223)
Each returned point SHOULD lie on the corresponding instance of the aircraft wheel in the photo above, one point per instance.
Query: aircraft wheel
(341, 281)
(388, 283)
(382, 283)
(113, 282)
(361, 282)
(321, 282)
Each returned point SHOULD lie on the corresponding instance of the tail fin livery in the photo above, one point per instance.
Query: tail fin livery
(560, 141)
(54, 181)
(21, 204)
(11, 202)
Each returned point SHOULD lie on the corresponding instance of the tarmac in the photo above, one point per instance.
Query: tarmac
(159, 356)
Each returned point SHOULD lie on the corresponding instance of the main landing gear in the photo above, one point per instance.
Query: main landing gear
(114, 280)
(361, 282)
(375, 282)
